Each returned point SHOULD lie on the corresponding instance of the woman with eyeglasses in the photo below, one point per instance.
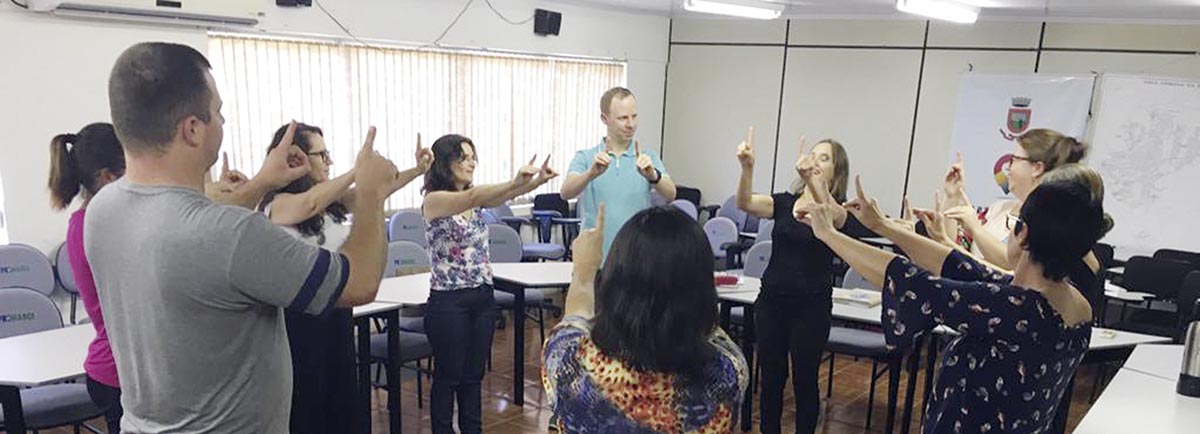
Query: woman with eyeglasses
(313, 208)
(1035, 153)
(1020, 335)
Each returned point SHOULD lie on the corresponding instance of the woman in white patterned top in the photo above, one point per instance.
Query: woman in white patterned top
(461, 312)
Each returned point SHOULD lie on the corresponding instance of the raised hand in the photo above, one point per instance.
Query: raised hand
(424, 156)
(526, 173)
(818, 215)
(285, 163)
(373, 173)
(906, 220)
(587, 250)
(599, 164)
(866, 208)
(934, 221)
(645, 165)
(546, 173)
(745, 150)
(956, 179)
(964, 214)
(806, 165)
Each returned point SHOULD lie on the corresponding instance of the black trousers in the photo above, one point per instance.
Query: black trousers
(460, 324)
(797, 327)
(108, 399)
(323, 372)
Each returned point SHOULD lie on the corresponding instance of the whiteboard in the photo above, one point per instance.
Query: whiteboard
(1146, 144)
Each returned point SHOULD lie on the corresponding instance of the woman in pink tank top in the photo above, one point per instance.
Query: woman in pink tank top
(80, 165)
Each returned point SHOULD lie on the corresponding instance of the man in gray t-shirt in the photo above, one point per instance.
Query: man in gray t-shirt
(193, 290)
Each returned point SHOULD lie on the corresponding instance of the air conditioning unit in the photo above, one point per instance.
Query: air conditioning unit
(203, 13)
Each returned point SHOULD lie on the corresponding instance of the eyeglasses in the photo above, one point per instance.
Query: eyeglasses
(1025, 159)
(323, 154)
(1014, 223)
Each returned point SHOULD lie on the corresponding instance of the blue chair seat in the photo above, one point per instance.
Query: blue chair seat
(56, 405)
(415, 324)
(413, 347)
(856, 342)
(543, 250)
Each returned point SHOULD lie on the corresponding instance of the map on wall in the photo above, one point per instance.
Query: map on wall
(1146, 144)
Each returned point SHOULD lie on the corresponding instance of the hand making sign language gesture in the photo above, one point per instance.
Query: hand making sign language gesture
(745, 150)
(645, 165)
(374, 174)
(283, 165)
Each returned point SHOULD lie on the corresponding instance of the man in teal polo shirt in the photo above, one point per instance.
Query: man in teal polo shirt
(617, 172)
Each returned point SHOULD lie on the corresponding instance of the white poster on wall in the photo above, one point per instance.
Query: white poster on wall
(994, 110)
(1146, 145)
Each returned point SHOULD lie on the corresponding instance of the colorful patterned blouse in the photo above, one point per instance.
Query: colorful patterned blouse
(592, 393)
(458, 248)
(1010, 366)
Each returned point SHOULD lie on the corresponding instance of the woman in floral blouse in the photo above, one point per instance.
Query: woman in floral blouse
(649, 357)
(461, 312)
(1021, 336)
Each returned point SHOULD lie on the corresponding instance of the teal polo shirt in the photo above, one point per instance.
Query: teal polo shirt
(621, 189)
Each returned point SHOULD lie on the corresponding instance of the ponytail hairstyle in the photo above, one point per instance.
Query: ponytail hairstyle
(78, 160)
(1052, 148)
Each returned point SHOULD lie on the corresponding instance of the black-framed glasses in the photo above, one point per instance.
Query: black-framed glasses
(323, 154)
(1025, 159)
(1014, 223)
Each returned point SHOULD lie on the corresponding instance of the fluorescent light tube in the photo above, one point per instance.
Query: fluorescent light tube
(737, 8)
(946, 10)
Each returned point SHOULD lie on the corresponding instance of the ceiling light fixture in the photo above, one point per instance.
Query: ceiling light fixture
(946, 10)
(738, 8)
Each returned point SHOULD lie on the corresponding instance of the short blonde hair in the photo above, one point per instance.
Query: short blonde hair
(610, 95)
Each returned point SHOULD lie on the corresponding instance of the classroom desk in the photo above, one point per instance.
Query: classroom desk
(37, 359)
(747, 291)
(411, 290)
(514, 278)
(390, 312)
(1138, 400)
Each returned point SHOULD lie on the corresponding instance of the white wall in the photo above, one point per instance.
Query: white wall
(55, 72)
(857, 81)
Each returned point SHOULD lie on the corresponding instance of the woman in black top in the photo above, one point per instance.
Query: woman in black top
(793, 312)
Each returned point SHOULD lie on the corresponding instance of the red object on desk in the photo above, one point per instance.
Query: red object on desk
(725, 280)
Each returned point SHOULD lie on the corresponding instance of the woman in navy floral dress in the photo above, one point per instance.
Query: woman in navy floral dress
(1021, 336)
(461, 312)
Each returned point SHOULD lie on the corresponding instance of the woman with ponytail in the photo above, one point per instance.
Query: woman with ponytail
(1036, 153)
(80, 165)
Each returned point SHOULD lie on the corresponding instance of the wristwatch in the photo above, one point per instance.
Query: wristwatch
(657, 178)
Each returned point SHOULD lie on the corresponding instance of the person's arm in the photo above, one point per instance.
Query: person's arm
(928, 254)
(758, 205)
(651, 167)
(283, 165)
(293, 208)
(366, 247)
(586, 250)
(439, 204)
(582, 172)
(991, 248)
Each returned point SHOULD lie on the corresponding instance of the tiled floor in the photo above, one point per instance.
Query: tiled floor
(844, 412)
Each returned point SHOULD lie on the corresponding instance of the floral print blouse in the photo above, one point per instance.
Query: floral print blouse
(593, 393)
(1010, 365)
(458, 248)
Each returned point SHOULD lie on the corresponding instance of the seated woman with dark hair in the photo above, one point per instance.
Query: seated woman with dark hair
(639, 349)
(1021, 336)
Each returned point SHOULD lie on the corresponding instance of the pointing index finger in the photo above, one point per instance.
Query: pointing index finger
(858, 187)
(224, 162)
(369, 143)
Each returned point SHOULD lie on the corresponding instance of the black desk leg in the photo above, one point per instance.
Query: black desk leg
(14, 414)
(392, 317)
(893, 391)
(518, 344)
(748, 351)
(363, 324)
(914, 365)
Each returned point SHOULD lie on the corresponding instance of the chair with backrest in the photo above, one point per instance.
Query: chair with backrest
(414, 348)
(1189, 304)
(65, 277)
(26, 267)
(765, 227)
(405, 258)
(505, 214)
(757, 259)
(858, 342)
(1179, 256)
(1161, 277)
(730, 211)
(44, 407)
(408, 225)
(551, 210)
(722, 233)
(689, 194)
(687, 208)
(504, 246)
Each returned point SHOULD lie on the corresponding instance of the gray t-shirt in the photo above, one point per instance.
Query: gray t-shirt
(192, 293)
